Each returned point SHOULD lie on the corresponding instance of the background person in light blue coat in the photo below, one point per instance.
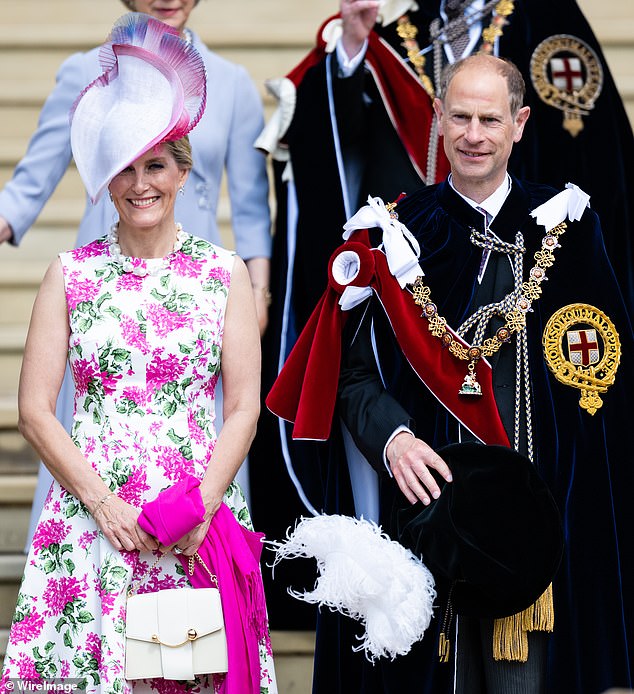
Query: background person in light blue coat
(221, 141)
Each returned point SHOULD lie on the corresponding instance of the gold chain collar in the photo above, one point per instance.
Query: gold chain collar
(407, 32)
(494, 31)
(515, 319)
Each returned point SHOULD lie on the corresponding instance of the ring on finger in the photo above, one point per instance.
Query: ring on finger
(177, 550)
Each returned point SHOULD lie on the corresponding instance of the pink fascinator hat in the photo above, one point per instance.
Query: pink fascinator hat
(152, 90)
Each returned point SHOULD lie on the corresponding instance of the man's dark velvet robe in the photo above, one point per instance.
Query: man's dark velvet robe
(600, 160)
(584, 458)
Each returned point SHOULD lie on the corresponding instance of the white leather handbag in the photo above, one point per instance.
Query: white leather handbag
(175, 634)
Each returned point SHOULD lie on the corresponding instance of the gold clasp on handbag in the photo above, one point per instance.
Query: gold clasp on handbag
(192, 635)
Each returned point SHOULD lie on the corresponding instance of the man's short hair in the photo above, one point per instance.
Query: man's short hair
(507, 69)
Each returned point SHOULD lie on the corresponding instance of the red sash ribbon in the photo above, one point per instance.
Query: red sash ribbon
(305, 391)
(406, 101)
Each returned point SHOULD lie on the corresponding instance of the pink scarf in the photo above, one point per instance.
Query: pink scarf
(232, 552)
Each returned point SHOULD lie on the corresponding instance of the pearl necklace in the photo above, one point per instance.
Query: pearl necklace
(141, 270)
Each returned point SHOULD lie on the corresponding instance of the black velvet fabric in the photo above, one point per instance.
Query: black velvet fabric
(600, 159)
(494, 535)
(583, 458)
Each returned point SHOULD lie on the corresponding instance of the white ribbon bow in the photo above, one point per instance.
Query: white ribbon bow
(283, 90)
(398, 242)
(401, 248)
(331, 33)
(570, 203)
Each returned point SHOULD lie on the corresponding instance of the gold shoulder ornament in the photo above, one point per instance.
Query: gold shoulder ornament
(583, 350)
(567, 75)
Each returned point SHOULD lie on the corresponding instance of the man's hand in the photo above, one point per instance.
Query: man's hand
(6, 232)
(358, 17)
(410, 460)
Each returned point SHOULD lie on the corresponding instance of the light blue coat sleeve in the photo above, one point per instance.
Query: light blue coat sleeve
(223, 141)
(246, 173)
(40, 170)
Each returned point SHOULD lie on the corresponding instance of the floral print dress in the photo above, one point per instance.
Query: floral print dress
(145, 357)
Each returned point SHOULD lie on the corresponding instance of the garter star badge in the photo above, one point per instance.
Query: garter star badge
(583, 350)
(567, 75)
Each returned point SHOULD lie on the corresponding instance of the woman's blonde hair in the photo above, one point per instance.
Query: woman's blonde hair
(181, 150)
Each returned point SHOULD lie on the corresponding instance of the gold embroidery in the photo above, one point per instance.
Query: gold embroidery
(585, 367)
(567, 75)
(408, 32)
(503, 10)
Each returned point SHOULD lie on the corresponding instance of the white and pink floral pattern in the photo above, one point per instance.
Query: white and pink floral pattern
(145, 356)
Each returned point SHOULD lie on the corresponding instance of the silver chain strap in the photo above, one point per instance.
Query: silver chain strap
(482, 317)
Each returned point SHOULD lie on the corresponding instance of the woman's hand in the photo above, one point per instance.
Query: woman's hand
(117, 520)
(6, 232)
(189, 544)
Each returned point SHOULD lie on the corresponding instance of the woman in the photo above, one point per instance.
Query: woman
(223, 139)
(149, 317)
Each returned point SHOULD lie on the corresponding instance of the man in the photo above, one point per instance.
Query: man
(512, 330)
(357, 120)
(376, 139)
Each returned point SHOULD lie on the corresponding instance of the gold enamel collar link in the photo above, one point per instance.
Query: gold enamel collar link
(583, 350)
(515, 319)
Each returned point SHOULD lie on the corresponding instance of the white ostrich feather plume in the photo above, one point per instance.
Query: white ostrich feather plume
(367, 576)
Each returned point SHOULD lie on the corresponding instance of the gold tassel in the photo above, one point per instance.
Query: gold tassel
(444, 646)
(510, 639)
(541, 615)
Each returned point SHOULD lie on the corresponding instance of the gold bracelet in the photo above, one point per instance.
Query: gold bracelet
(101, 502)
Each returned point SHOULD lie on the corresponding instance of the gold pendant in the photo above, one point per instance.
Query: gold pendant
(470, 385)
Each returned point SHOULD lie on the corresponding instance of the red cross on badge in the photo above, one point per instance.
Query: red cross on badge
(566, 73)
(583, 348)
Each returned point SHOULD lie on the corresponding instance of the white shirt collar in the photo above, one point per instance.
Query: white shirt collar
(475, 30)
(493, 204)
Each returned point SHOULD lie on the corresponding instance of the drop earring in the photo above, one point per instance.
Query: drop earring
(181, 190)
(110, 196)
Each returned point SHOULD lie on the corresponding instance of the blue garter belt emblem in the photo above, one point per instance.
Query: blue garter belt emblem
(583, 350)
(567, 74)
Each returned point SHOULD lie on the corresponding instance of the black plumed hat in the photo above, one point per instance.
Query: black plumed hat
(494, 535)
